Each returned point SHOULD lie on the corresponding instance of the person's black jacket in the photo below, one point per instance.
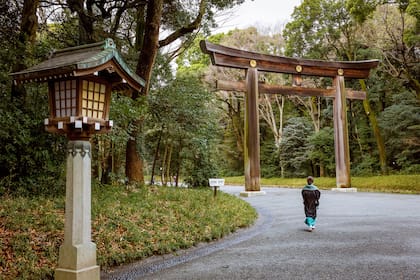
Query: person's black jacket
(311, 196)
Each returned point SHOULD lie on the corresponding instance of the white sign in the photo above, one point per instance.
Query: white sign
(216, 182)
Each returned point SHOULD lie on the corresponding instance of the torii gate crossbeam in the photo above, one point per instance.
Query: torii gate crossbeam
(253, 62)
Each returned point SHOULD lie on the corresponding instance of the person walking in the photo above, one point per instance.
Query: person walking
(311, 196)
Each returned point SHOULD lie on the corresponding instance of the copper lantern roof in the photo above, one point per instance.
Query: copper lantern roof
(100, 59)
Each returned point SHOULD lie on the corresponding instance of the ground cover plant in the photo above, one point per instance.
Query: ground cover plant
(408, 184)
(127, 225)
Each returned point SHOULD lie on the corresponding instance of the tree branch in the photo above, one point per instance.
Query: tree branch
(186, 29)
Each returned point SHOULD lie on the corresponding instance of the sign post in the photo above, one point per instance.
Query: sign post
(216, 183)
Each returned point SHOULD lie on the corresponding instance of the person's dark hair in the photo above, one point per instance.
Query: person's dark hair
(310, 180)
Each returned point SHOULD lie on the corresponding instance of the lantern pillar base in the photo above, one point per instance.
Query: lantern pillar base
(88, 273)
(77, 257)
(344, 189)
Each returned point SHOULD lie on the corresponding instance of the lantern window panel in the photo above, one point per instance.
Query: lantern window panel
(65, 98)
(93, 99)
(103, 89)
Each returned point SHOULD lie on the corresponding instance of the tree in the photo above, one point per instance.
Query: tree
(393, 31)
(320, 147)
(294, 160)
(25, 41)
(400, 123)
(184, 130)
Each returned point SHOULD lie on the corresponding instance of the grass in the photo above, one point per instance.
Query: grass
(127, 225)
(407, 184)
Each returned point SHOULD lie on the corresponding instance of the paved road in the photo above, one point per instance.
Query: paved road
(358, 236)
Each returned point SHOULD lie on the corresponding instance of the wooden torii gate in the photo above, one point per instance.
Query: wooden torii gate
(253, 62)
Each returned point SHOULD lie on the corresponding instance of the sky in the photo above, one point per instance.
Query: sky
(259, 13)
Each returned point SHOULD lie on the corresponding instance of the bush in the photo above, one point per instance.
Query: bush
(31, 160)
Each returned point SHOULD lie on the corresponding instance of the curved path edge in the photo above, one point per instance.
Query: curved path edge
(154, 264)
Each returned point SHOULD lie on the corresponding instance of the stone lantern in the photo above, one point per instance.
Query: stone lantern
(80, 81)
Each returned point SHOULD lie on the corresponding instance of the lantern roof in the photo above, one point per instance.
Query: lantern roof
(99, 59)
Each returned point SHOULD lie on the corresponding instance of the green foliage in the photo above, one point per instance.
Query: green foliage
(321, 149)
(184, 121)
(293, 152)
(177, 14)
(413, 36)
(192, 59)
(400, 124)
(31, 160)
(270, 160)
(127, 225)
(361, 9)
(108, 150)
(366, 165)
(9, 21)
(202, 168)
(314, 23)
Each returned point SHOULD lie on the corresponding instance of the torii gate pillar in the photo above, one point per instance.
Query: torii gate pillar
(251, 133)
(341, 137)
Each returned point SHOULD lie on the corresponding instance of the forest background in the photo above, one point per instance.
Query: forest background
(179, 126)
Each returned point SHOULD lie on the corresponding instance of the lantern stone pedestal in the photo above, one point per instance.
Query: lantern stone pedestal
(77, 258)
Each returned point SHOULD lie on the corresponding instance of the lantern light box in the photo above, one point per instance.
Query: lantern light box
(80, 81)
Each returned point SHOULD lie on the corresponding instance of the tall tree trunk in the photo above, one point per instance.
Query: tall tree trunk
(27, 36)
(267, 113)
(376, 132)
(133, 161)
(163, 166)
(86, 19)
(321, 170)
(178, 168)
(140, 27)
(152, 177)
(168, 164)
(29, 24)
(149, 51)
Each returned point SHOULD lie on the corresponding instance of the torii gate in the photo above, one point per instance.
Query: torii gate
(253, 62)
